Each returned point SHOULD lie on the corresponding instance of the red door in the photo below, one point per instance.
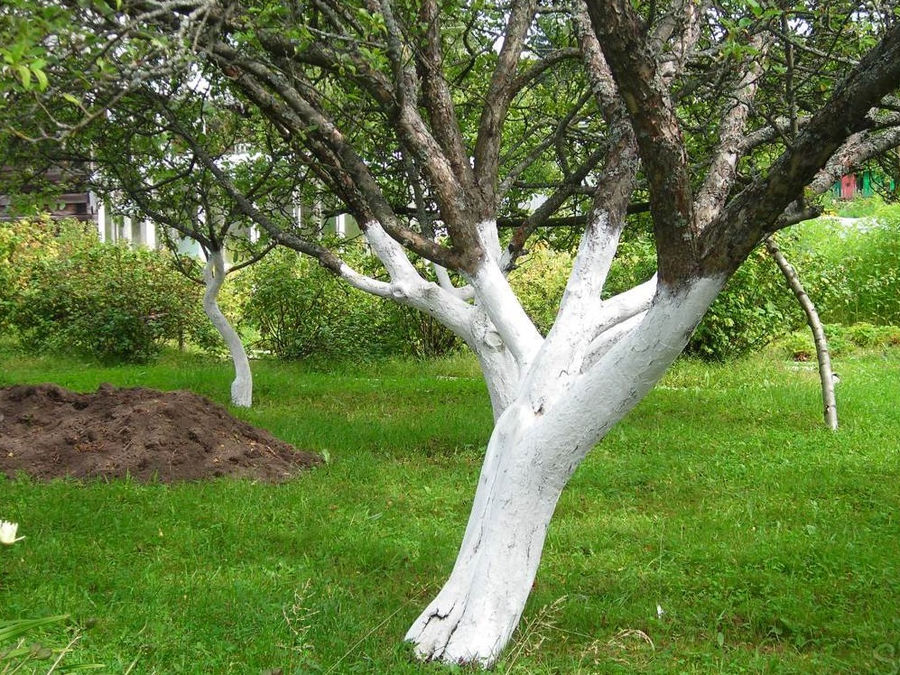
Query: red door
(848, 186)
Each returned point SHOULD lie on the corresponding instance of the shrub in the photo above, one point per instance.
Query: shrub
(22, 243)
(635, 263)
(421, 335)
(301, 310)
(539, 281)
(867, 336)
(100, 300)
(754, 308)
(842, 340)
(866, 283)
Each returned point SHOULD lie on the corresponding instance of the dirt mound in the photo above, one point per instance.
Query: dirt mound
(49, 432)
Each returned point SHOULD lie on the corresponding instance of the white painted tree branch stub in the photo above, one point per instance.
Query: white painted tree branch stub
(214, 277)
(823, 357)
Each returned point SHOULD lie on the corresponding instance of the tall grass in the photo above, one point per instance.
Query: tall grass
(768, 543)
(855, 268)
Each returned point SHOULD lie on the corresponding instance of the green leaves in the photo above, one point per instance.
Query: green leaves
(23, 66)
(104, 301)
(15, 657)
(14, 629)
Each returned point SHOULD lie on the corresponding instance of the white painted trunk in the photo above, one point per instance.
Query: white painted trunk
(553, 400)
(477, 610)
(214, 277)
(536, 445)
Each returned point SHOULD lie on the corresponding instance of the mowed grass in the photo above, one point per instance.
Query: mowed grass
(769, 543)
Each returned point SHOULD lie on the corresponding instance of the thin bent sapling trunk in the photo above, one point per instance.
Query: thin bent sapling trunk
(214, 277)
(826, 375)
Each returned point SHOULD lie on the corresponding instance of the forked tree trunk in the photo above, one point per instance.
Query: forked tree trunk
(530, 457)
(214, 277)
(826, 375)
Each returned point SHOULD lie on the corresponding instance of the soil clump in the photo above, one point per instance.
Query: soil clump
(49, 432)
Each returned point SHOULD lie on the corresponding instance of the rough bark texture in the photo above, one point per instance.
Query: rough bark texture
(623, 38)
(536, 445)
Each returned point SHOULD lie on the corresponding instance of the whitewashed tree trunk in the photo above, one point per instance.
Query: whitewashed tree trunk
(536, 445)
(214, 277)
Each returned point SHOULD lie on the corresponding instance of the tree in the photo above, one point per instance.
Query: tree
(394, 103)
(143, 166)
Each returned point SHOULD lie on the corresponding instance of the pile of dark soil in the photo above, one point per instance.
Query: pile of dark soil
(49, 432)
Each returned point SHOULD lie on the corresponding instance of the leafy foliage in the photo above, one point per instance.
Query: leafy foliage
(861, 262)
(72, 293)
(848, 269)
(301, 310)
(539, 282)
(755, 307)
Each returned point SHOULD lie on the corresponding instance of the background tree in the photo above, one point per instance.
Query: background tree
(146, 170)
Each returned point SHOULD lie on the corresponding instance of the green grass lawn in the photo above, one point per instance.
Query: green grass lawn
(771, 544)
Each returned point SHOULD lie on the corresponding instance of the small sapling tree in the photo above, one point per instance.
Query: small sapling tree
(143, 168)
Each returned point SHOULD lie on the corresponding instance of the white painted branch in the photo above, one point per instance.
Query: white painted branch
(603, 342)
(364, 283)
(562, 352)
(627, 371)
(506, 260)
(469, 322)
(719, 179)
(490, 238)
(392, 256)
(214, 277)
(494, 294)
(625, 305)
(443, 277)
(499, 367)
(596, 251)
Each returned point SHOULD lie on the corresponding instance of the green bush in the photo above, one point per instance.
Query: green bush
(842, 340)
(100, 300)
(851, 275)
(635, 263)
(755, 307)
(21, 245)
(301, 310)
(865, 283)
(539, 281)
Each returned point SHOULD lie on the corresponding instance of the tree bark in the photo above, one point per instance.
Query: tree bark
(538, 442)
(214, 277)
(826, 376)
(477, 610)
